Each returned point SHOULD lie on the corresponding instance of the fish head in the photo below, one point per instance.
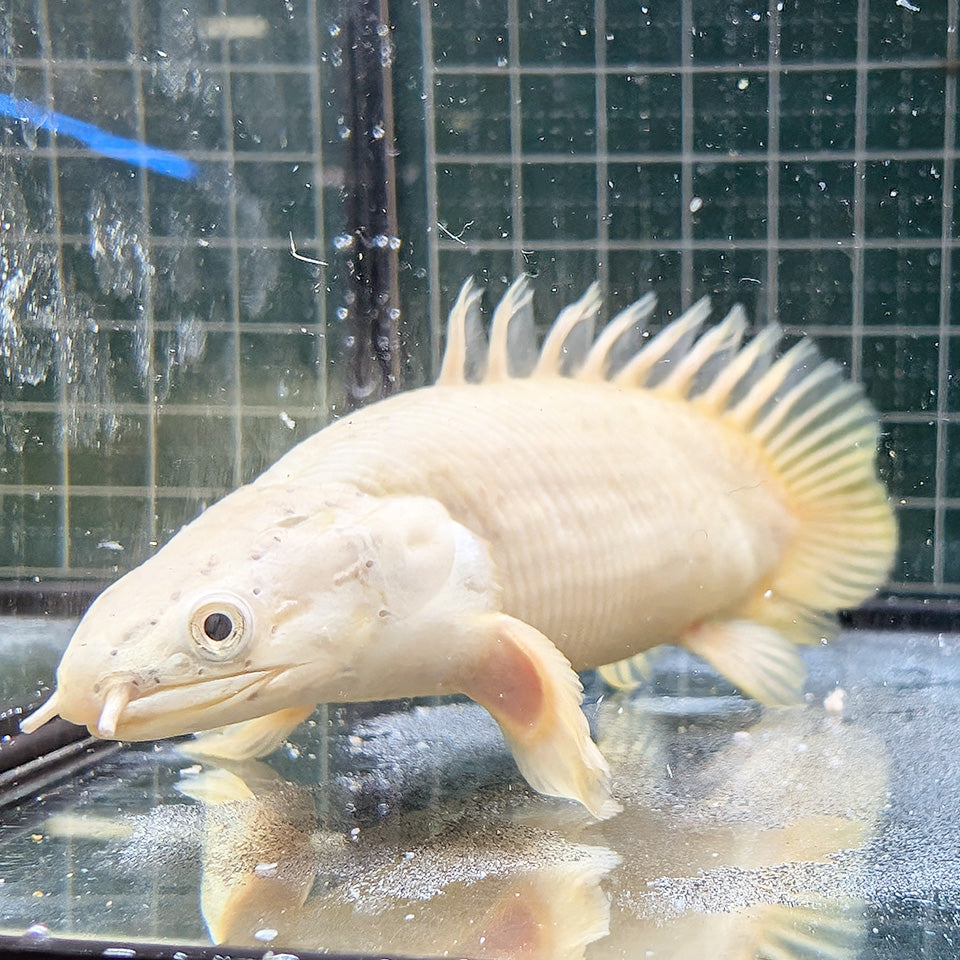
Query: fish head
(261, 603)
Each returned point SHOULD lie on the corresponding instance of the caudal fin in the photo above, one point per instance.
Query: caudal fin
(819, 432)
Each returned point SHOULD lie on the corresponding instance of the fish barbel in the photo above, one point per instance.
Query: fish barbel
(531, 514)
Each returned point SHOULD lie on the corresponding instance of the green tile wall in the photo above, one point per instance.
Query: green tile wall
(164, 346)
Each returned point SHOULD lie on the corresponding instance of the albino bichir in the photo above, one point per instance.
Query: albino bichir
(528, 516)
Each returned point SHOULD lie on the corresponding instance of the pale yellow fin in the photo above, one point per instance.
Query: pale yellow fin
(626, 674)
(710, 355)
(756, 658)
(822, 928)
(735, 380)
(248, 738)
(533, 693)
(512, 340)
(599, 360)
(571, 335)
(654, 362)
(819, 433)
(215, 787)
(462, 333)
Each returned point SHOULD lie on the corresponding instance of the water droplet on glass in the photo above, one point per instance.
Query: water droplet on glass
(342, 313)
(382, 29)
(696, 204)
(343, 241)
(377, 132)
(501, 61)
(394, 243)
(336, 56)
(38, 931)
(334, 29)
(381, 240)
(394, 313)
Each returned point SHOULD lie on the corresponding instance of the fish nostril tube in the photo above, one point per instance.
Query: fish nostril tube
(43, 713)
(113, 706)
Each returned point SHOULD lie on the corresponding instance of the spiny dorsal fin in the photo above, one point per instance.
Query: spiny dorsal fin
(463, 332)
(693, 372)
(512, 339)
(748, 366)
(598, 363)
(571, 335)
(653, 363)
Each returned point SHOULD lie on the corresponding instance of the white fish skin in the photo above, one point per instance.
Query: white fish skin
(482, 537)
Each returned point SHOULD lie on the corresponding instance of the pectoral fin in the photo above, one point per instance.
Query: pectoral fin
(533, 693)
(756, 658)
(249, 738)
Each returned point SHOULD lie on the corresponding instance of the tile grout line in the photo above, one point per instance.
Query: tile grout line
(53, 166)
(516, 138)
(941, 477)
(600, 133)
(148, 304)
(430, 176)
(230, 150)
(859, 190)
(773, 165)
(319, 203)
(686, 154)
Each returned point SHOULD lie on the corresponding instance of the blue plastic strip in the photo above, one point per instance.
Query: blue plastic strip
(99, 141)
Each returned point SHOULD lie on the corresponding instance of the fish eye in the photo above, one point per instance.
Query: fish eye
(218, 626)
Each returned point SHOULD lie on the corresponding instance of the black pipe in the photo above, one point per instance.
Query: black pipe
(370, 346)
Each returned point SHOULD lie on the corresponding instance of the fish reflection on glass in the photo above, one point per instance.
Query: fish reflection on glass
(744, 835)
(502, 529)
(738, 844)
(754, 850)
(434, 884)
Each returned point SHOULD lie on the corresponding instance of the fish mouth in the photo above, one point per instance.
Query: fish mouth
(127, 713)
(169, 711)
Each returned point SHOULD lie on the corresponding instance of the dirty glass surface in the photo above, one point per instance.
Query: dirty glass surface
(181, 290)
(161, 342)
(826, 831)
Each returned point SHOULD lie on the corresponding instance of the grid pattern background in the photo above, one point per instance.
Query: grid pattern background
(159, 345)
(797, 157)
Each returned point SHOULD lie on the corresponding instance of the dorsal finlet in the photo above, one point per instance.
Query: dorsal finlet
(751, 363)
(674, 339)
(582, 314)
(453, 368)
(595, 367)
(775, 382)
(515, 301)
(709, 355)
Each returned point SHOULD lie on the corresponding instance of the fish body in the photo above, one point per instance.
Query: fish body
(497, 531)
(613, 518)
